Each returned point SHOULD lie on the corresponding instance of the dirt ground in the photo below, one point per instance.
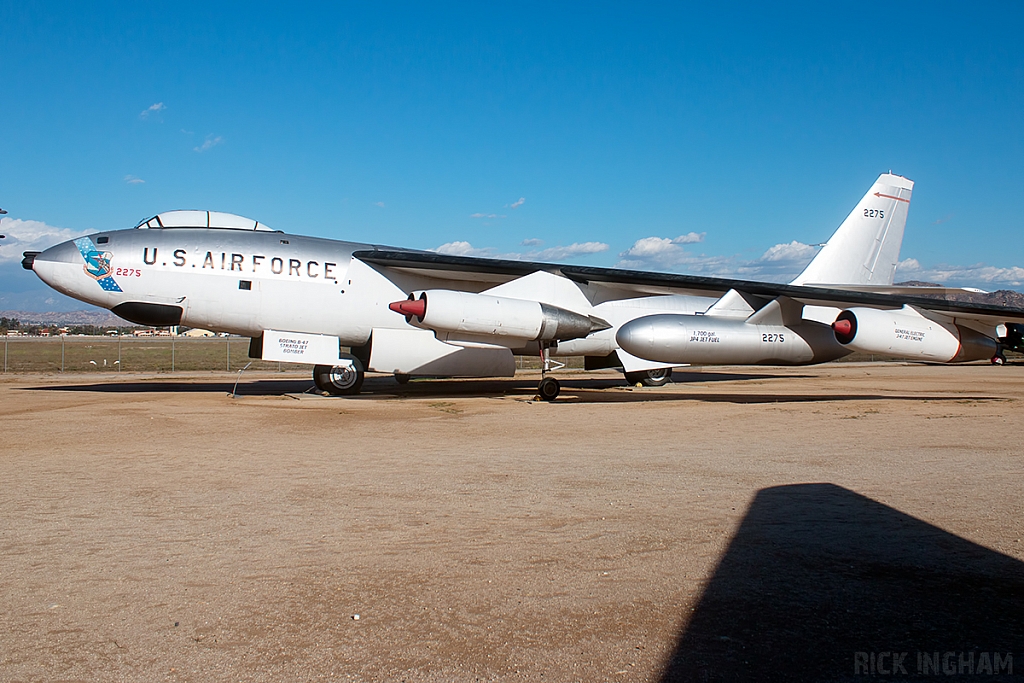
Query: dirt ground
(740, 523)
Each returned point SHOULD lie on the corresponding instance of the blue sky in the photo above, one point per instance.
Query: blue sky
(577, 129)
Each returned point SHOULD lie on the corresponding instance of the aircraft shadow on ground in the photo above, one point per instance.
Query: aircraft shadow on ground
(274, 387)
(817, 574)
(574, 390)
(377, 385)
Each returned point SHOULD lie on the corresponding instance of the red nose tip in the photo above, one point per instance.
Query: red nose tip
(410, 307)
(843, 327)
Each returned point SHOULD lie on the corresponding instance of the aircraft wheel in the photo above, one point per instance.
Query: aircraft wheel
(650, 378)
(402, 378)
(340, 380)
(548, 389)
(999, 359)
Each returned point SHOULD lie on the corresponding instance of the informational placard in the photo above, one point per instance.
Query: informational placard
(295, 347)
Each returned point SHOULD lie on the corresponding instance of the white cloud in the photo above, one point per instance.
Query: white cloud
(908, 266)
(780, 262)
(31, 236)
(690, 238)
(516, 204)
(531, 242)
(380, 204)
(792, 252)
(653, 252)
(209, 143)
(132, 180)
(463, 249)
(152, 109)
(973, 275)
(550, 254)
(660, 253)
(485, 215)
(573, 250)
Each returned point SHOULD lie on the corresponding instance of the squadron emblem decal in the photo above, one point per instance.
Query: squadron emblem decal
(97, 264)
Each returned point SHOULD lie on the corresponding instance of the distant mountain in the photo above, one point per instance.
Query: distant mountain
(1002, 297)
(918, 283)
(96, 317)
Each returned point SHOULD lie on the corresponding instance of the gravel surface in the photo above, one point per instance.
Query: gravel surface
(738, 524)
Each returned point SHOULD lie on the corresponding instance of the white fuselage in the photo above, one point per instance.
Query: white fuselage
(244, 282)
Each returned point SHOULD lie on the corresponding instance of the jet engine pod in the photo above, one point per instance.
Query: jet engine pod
(485, 316)
(908, 334)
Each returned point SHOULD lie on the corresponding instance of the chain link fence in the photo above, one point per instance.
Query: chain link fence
(133, 354)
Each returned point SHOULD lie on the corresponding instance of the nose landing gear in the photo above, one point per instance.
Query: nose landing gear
(548, 388)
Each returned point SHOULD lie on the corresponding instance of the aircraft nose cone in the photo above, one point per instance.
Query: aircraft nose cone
(65, 252)
(60, 266)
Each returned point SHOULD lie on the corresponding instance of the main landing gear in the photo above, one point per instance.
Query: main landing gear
(344, 379)
(650, 378)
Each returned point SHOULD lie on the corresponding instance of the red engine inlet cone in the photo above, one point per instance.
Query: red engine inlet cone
(410, 308)
(843, 327)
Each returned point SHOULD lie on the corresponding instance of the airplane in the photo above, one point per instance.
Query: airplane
(417, 313)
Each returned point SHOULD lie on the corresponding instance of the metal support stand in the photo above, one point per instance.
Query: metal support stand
(234, 389)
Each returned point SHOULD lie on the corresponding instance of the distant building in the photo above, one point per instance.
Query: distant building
(196, 332)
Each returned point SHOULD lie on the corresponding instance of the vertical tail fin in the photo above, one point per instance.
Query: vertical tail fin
(866, 247)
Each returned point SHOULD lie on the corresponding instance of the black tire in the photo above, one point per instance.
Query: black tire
(548, 389)
(402, 378)
(650, 378)
(999, 359)
(340, 380)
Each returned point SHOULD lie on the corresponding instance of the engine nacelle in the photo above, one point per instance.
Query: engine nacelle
(909, 334)
(464, 315)
(705, 339)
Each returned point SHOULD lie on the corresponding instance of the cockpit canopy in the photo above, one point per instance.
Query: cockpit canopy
(201, 219)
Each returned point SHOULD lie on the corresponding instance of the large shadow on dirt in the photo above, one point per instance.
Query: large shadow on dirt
(163, 386)
(377, 385)
(817, 574)
(575, 389)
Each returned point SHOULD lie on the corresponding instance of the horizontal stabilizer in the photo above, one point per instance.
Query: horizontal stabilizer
(901, 289)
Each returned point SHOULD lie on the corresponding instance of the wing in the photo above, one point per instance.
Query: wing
(635, 283)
